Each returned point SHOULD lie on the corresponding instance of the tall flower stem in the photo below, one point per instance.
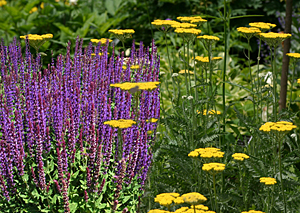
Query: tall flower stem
(241, 183)
(215, 192)
(210, 193)
(185, 73)
(251, 80)
(273, 64)
(259, 84)
(292, 82)
(280, 171)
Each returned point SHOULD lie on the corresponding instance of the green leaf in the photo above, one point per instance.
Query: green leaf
(65, 29)
(73, 207)
(110, 6)
(30, 5)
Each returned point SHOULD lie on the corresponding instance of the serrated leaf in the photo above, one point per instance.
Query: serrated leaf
(73, 207)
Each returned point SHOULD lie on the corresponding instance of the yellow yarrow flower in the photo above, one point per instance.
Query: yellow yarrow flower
(134, 66)
(267, 180)
(2, 3)
(36, 41)
(273, 39)
(34, 9)
(94, 54)
(182, 209)
(163, 25)
(122, 34)
(183, 25)
(262, 25)
(248, 32)
(193, 154)
(280, 126)
(121, 123)
(192, 20)
(178, 200)
(187, 34)
(185, 71)
(253, 211)
(141, 85)
(101, 40)
(193, 198)
(240, 156)
(166, 199)
(213, 168)
(210, 112)
(208, 37)
(199, 207)
(298, 80)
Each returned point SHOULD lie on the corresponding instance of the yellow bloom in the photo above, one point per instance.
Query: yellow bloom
(192, 20)
(240, 156)
(121, 123)
(149, 132)
(280, 126)
(36, 41)
(185, 71)
(248, 32)
(213, 168)
(101, 40)
(166, 199)
(193, 198)
(163, 25)
(267, 180)
(208, 37)
(122, 34)
(157, 211)
(187, 34)
(262, 25)
(298, 80)
(182, 209)
(183, 25)
(210, 112)
(2, 3)
(273, 39)
(200, 207)
(94, 54)
(178, 200)
(193, 154)
(34, 9)
(135, 66)
(293, 55)
(141, 85)
(253, 211)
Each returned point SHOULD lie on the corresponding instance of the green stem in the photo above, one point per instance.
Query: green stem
(209, 189)
(259, 85)
(292, 82)
(241, 183)
(280, 170)
(185, 74)
(215, 191)
(251, 80)
(120, 143)
(274, 83)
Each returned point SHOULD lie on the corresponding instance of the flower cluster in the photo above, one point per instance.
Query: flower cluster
(267, 180)
(240, 156)
(140, 85)
(192, 20)
(185, 71)
(210, 112)
(279, 126)
(262, 25)
(187, 34)
(121, 123)
(36, 41)
(206, 153)
(294, 55)
(122, 35)
(248, 32)
(64, 108)
(252, 211)
(166, 199)
(164, 25)
(2, 3)
(273, 39)
(193, 198)
(213, 168)
(183, 25)
(101, 40)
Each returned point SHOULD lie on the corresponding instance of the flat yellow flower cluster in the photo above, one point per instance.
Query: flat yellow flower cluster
(213, 168)
(208, 37)
(240, 156)
(280, 126)
(193, 20)
(122, 32)
(163, 23)
(121, 123)
(191, 31)
(2, 3)
(152, 120)
(134, 66)
(141, 85)
(185, 71)
(193, 198)
(267, 180)
(94, 54)
(293, 55)
(208, 152)
(101, 40)
(183, 25)
(36, 37)
(166, 199)
(248, 30)
(262, 25)
(298, 80)
(273, 39)
(253, 211)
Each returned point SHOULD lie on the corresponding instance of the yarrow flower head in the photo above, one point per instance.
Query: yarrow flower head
(210, 112)
(164, 25)
(206, 153)
(294, 56)
(36, 41)
(208, 41)
(279, 126)
(262, 26)
(273, 39)
(101, 40)
(193, 198)
(122, 34)
(213, 168)
(2, 3)
(185, 71)
(188, 34)
(253, 211)
(121, 123)
(248, 32)
(166, 199)
(240, 156)
(139, 85)
(267, 180)
(204, 61)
